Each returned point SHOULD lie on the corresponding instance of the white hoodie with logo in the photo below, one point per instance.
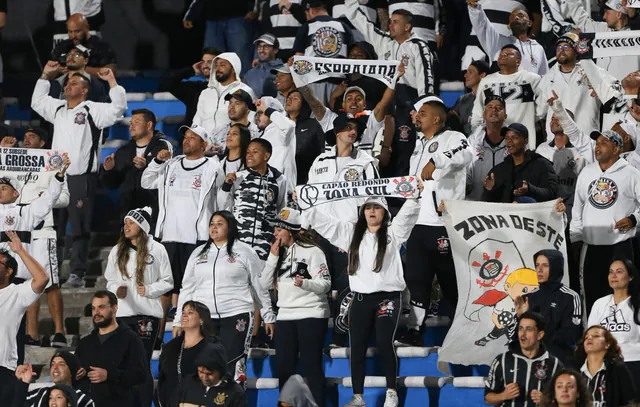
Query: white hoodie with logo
(601, 199)
(212, 108)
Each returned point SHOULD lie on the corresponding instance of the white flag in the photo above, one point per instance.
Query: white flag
(306, 70)
(493, 247)
(30, 159)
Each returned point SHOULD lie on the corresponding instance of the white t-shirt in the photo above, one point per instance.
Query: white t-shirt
(140, 151)
(14, 301)
(618, 319)
(185, 184)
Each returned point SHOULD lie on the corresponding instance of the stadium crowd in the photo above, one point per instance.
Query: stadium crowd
(213, 240)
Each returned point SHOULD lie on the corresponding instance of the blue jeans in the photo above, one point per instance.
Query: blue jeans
(233, 34)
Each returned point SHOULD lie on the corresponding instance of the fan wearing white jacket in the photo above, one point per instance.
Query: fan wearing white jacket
(605, 213)
(224, 274)
(376, 279)
(297, 270)
(225, 79)
(440, 159)
(138, 272)
(280, 131)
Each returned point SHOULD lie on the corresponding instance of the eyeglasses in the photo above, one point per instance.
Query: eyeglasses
(564, 47)
(76, 54)
(264, 46)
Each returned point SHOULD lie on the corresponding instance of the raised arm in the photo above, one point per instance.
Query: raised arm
(581, 18)
(106, 114)
(41, 102)
(372, 35)
(40, 277)
(41, 206)
(490, 40)
(151, 176)
(337, 232)
(406, 219)
(316, 105)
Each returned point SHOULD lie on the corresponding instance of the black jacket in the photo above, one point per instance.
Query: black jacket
(621, 386)
(123, 356)
(126, 177)
(309, 142)
(187, 92)
(561, 308)
(168, 379)
(535, 169)
(227, 394)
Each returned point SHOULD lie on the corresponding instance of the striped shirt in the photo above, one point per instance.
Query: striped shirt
(497, 12)
(528, 374)
(424, 16)
(283, 24)
(323, 37)
(597, 384)
(40, 398)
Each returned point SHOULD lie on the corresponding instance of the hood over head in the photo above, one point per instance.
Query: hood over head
(233, 59)
(213, 357)
(556, 265)
(296, 392)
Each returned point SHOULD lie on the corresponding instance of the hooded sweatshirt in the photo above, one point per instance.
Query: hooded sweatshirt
(309, 141)
(227, 393)
(212, 108)
(560, 306)
(602, 198)
(296, 392)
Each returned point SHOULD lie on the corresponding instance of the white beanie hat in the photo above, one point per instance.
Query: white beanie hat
(141, 216)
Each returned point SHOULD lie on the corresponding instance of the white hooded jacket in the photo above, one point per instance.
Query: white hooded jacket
(281, 133)
(212, 108)
(601, 199)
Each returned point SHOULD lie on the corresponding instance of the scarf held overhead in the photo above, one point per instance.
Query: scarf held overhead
(306, 70)
(608, 44)
(316, 194)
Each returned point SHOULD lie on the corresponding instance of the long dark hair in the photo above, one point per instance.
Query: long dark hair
(634, 286)
(232, 231)
(206, 329)
(613, 352)
(358, 234)
(245, 139)
(584, 398)
(302, 239)
(142, 251)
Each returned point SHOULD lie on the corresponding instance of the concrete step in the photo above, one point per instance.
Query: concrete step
(95, 267)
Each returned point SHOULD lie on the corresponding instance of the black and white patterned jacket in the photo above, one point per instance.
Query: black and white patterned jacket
(255, 201)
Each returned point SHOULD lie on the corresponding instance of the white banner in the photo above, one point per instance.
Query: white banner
(30, 159)
(493, 247)
(608, 44)
(633, 3)
(316, 194)
(306, 70)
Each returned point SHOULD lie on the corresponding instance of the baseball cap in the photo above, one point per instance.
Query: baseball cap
(519, 128)
(429, 99)
(495, 97)
(284, 68)
(289, 219)
(307, 4)
(616, 5)
(268, 39)
(342, 120)
(610, 135)
(83, 50)
(243, 96)
(353, 89)
(38, 131)
(12, 181)
(273, 103)
(199, 130)
(570, 38)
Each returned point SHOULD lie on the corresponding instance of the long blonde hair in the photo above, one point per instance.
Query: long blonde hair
(142, 252)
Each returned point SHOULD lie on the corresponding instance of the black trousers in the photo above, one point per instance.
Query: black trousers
(8, 383)
(147, 329)
(235, 334)
(337, 261)
(82, 191)
(377, 312)
(428, 254)
(304, 339)
(179, 254)
(595, 269)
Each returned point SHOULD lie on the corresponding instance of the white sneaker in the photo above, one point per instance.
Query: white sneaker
(391, 399)
(356, 401)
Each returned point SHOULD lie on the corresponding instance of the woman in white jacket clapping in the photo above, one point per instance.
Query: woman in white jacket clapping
(376, 280)
(138, 272)
(297, 270)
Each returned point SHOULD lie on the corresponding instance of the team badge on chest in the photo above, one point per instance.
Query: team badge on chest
(433, 147)
(197, 182)
(351, 175)
(603, 193)
(81, 118)
(10, 220)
